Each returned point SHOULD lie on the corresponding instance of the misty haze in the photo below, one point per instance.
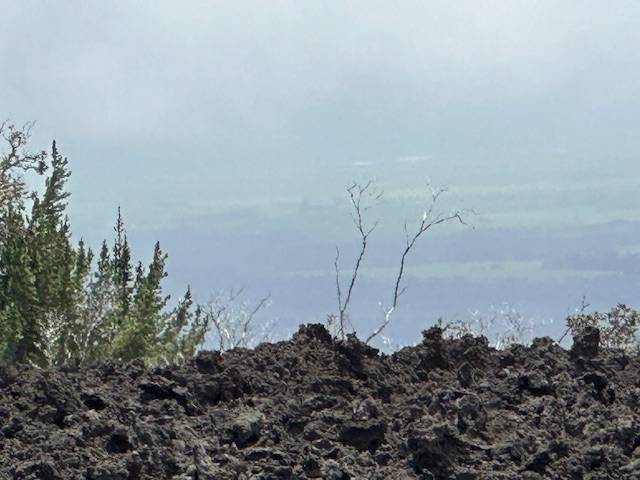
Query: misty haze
(230, 134)
(224, 173)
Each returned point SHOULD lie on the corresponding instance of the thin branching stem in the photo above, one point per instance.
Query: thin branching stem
(357, 193)
(428, 221)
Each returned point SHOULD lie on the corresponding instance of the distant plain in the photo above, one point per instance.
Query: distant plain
(540, 239)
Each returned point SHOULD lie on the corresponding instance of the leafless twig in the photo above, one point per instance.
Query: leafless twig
(428, 221)
(233, 321)
(16, 162)
(357, 193)
(583, 307)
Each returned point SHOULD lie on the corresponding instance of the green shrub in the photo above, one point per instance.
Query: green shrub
(618, 328)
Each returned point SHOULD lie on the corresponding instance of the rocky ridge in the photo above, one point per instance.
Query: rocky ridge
(316, 407)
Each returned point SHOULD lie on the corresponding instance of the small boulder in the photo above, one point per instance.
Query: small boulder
(539, 462)
(42, 469)
(363, 437)
(119, 441)
(10, 429)
(597, 379)
(8, 374)
(313, 331)
(245, 429)
(586, 343)
(471, 414)
(331, 470)
(93, 401)
(465, 375)
(208, 361)
(535, 383)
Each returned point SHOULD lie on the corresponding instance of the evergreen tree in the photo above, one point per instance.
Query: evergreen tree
(80, 279)
(121, 262)
(20, 313)
(19, 329)
(139, 337)
(52, 262)
(54, 306)
(97, 320)
(183, 331)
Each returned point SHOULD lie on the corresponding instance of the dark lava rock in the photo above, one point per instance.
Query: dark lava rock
(119, 441)
(434, 452)
(12, 427)
(363, 436)
(535, 383)
(41, 470)
(597, 379)
(207, 361)
(471, 414)
(465, 375)
(163, 389)
(8, 375)
(245, 428)
(318, 407)
(586, 343)
(539, 462)
(93, 401)
(333, 471)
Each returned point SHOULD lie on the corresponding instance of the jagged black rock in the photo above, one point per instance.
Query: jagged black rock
(315, 407)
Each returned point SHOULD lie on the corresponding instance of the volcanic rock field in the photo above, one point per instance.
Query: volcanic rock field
(317, 407)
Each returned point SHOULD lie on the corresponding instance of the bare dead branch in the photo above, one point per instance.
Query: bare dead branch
(246, 325)
(427, 222)
(232, 321)
(357, 194)
(579, 311)
(15, 162)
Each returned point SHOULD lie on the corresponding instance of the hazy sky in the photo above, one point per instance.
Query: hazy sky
(233, 113)
(203, 89)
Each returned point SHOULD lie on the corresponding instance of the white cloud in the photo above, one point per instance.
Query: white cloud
(236, 73)
(131, 66)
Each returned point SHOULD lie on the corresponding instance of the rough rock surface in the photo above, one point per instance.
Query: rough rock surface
(314, 407)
